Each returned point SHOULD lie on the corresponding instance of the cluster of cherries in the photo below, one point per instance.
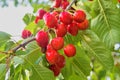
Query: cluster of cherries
(63, 23)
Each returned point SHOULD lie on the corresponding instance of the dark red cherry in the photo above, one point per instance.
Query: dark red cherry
(26, 34)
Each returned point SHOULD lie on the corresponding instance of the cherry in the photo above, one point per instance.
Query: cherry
(42, 39)
(56, 14)
(57, 3)
(37, 19)
(61, 30)
(56, 70)
(84, 25)
(52, 56)
(41, 13)
(50, 20)
(64, 4)
(73, 28)
(49, 47)
(57, 43)
(66, 17)
(79, 16)
(70, 50)
(26, 34)
(60, 61)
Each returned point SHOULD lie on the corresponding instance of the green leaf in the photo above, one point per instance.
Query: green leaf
(41, 73)
(107, 24)
(2, 56)
(33, 56)
(9, 45)
(97, 49)
(75, 77)
(67, 70)
(38, 72)
(81, 63)
(31, 46)
(28, 18)
(4, 37)
(2, 71)
(20, 52)
(32, 27)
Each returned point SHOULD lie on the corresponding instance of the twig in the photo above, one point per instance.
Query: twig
(69, 6)
(22, 45)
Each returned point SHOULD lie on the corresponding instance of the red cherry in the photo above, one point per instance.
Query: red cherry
(61, 30)
(37, 19)
(56, 14)
(52, 56)
(60, 61)
(64, 4)
(84, 25)
(49, 47)
(41, 13)
(56, 70)
(50, 20)
(42, 39)
(57, 3)
(66, 17)
(26, 34)
(73, 29)
(57, 43)
(70, 50)
(79, 16)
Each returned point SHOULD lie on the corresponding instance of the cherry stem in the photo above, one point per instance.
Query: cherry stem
(69, 6)
(22, 45)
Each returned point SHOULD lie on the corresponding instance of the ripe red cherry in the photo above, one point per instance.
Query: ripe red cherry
(64, 4)
(42, 39)
(66, 17)
(26, 34)
(41, 13)
(49, 47)
(52, 56)
(50, 20)
(70, 50)
(57, 43)
(56, 14)
(37, 19)
(79, 16)
(61, 30)
(73, 28)
(56, 70)
(60, 61)
(83, 25)
(57, 3)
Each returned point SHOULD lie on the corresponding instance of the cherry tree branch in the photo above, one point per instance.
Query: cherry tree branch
(69, 6)
(22, 45)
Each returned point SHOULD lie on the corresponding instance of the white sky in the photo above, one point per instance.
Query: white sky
(11, 19)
